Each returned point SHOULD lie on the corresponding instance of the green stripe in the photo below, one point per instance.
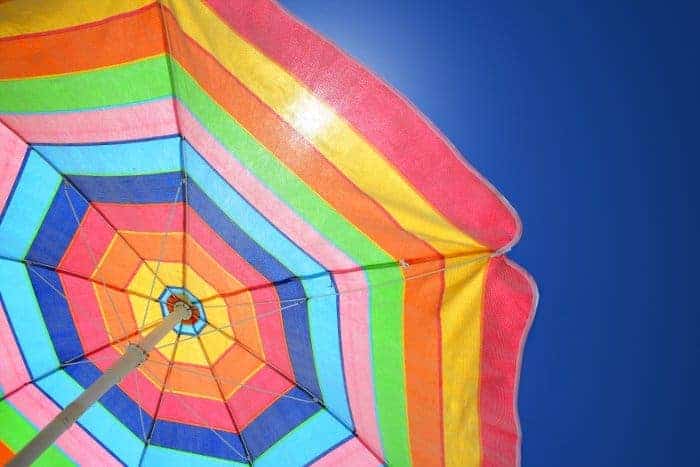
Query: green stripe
(148, 79)
(16, 432)
(138, 81)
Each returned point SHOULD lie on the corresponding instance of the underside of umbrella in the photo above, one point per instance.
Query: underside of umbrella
(327, 273)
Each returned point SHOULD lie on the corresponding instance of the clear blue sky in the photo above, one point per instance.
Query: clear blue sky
(584, 115)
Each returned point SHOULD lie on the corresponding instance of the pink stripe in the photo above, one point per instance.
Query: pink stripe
(38, 409)
(13, 374)
(94, 232)
(86, 314)
(404, 136)
(90, 126)
(353, 307)
(143, 217)
(349, 454)
(510, 298)
(12, 151)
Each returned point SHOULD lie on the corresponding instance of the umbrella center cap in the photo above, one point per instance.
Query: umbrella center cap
(177, 298)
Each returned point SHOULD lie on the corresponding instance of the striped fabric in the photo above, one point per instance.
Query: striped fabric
(352, 302)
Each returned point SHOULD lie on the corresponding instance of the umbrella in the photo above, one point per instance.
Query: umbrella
(244, 246)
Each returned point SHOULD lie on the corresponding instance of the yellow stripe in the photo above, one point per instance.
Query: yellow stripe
(317, 121)
(20, 17)
(461, 348)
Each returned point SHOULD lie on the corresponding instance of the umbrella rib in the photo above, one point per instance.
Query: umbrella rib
(178, 125)
(161, 254)
(171, 76)
(373, 286)
(234, 323)
(249, 458)
(185, 184)
(151, 430)
(402, 263)
(77, 190)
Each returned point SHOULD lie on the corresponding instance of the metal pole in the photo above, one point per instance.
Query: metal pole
(135, 355)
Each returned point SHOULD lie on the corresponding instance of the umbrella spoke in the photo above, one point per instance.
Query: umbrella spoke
(236, 322)
(185, 184)
(223, 400)
(170, 365)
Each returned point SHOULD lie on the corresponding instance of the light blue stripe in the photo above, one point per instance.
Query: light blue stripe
(323, 320)
(160, 456)
(134, 158)
(308, 441)
(25, 316)
(26, 210)
(97, 420)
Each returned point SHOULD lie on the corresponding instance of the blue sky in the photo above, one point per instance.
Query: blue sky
(584, 115)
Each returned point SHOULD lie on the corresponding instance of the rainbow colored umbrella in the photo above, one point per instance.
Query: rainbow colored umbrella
(321, 274)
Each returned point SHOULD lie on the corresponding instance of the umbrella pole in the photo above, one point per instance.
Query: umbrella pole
(135, 355)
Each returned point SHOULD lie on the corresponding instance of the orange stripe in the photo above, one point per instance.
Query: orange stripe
(236, 366)
(5, 453)
(422, 298)
(122, 39)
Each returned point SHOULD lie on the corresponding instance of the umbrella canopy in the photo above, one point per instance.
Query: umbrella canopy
(350, 301)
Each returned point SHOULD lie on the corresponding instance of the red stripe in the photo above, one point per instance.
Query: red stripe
(509, 300)
(383, 117)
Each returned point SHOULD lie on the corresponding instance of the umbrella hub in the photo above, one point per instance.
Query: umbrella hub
(174, 298)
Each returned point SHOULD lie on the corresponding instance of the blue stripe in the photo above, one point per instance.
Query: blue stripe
(55, 312)
(277, 421)
(59, 226)
(306, 443)
(198, 440)
(158, 188)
